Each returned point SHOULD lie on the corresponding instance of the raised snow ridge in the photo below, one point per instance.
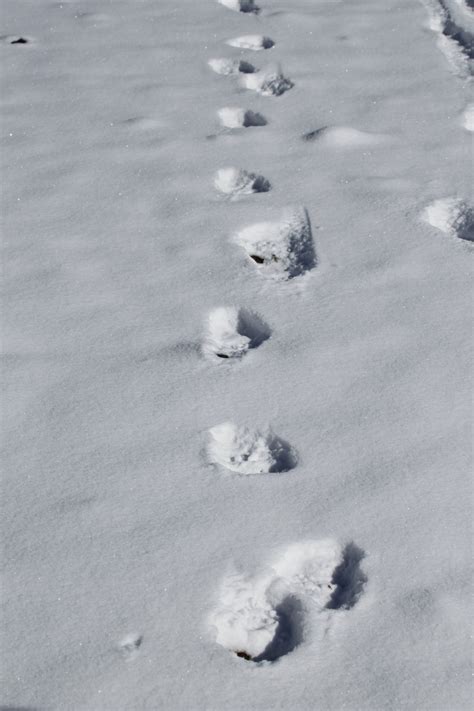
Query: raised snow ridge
(231, 332)
(262, 617)
(246, 451)
(344, 137)
(235, 182)
(280, 250)
(452, 216)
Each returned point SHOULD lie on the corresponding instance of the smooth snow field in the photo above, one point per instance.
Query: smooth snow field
(237, 341)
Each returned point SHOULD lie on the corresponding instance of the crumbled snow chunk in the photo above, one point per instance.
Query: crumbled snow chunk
(232, 181)
(253, 42)
(268, 82)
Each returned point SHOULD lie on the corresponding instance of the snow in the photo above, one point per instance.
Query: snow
(118, 529)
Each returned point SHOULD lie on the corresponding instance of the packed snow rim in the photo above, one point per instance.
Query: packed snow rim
(269, 81)
(263, 617)
(246, 6)
(452, 216)
(231, 332)
(246, 451)
(235, 182)
(233, 117)
(255, 43)
(280, 250)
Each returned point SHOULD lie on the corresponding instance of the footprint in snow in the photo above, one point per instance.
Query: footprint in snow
(253, 42)
(280, 250)
(231, 67)
(344, 137)
(234, 117)
(452, 216)
(265, 616)
(240, 5)
(246, 451)
(130, 645)
(269, 81)
(236, 183)
(232, 332)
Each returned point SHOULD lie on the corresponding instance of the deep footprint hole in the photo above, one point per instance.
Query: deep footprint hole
(348, 579)
(252, 118)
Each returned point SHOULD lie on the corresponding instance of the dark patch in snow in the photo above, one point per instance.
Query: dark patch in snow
(289, 633)
(348, 578)
(252, 118)
(313, 135)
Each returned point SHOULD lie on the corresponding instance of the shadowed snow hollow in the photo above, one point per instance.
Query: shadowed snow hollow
(235, 117)
(262, 617)
(452, 216)
(231, 332)
(235, 182)
(253, 42)
(268, 81)
(246, 451)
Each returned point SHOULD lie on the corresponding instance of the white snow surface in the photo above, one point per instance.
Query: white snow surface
(117, 532)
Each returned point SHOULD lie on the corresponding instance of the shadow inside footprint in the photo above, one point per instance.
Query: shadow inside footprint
(251, 325)
(348, 578)
(289, 632)
(20, 40)
(284, 456)
(313, 135)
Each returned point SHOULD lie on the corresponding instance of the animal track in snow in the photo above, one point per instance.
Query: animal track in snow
(452, 216)
(267, 82)
(344, 137)
(253, 42)
(262, 617)
(240, 5)
(281, 250)
(235, 182)
(468, 118)
(231, 332)
(246, 451)
(234, 117)
(130, 645)
(231, 67)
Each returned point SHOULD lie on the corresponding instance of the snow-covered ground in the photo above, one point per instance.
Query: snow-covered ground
(237, 335)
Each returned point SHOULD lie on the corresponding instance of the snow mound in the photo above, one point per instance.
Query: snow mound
(231, 332)
(468, 118)
(235, 117)
(281, 250)
(240, 5)
(246, 451)
(262, 618)
(231, 67)
(344, 137)
(452, 216)
(267, 82)
(253, 42)
(235, 182)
